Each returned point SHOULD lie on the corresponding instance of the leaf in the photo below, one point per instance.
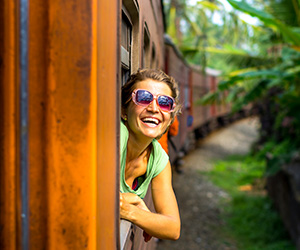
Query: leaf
(172, 26)
(255, 92)
(243, 6)
(209, 98)
(268, 20)
(196, 29)
(293, 70)
(261, 74)
(208, 5)
(241, 71)
(233, 94)
(225, 84)
(225, 51)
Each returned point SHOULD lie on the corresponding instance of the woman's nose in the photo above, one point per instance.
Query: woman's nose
(153, 106)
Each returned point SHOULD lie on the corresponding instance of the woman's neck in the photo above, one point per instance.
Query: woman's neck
(136, 147)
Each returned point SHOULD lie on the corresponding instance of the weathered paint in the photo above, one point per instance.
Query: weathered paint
(73, 125)
(38, 154)
(8, 125)
(108, 67)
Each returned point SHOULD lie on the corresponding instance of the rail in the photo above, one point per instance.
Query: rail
(24, 119)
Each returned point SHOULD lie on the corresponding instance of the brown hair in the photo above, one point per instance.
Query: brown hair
(153, 74)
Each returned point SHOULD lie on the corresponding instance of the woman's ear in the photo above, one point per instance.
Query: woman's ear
(123, 115)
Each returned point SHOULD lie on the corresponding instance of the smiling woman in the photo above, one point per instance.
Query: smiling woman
(149, 106)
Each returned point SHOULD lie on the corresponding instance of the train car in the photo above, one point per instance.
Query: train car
(196, 120)
(179, 69)
(200, 88)
(142, 43)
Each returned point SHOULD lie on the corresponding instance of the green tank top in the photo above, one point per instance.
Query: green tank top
(157, 162)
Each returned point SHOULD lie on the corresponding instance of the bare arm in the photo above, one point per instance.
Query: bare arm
(165, 224)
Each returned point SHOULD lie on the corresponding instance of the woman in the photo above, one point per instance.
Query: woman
(149, 105)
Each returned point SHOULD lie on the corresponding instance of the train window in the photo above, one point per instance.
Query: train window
(187, 103)
(146, 48)
(125, 47)
(153, 59)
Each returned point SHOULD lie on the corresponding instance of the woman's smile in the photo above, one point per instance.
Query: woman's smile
(151, 121)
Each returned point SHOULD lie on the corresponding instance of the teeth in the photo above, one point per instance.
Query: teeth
(153, 120)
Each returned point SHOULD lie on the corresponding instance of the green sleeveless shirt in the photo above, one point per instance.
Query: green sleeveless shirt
(157, 162)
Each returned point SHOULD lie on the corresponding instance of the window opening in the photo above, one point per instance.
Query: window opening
(125, 47)
(146, 49)
(153, 59)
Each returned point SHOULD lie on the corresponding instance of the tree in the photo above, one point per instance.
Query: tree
(275, 87)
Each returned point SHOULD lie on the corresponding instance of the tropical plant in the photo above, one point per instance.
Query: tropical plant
(206, 42)
(261, 68)
(275, 87)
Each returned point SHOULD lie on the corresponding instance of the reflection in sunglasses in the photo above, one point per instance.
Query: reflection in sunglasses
(143, 98)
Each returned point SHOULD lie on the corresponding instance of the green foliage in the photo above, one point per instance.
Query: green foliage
(282, 79)
(210, 98)
(287, 11)
(205, 42)
(261, 63)
(250, 218)
(237, 171)
(277, 154)
(268, 19)
(254, 85)
(255, 224)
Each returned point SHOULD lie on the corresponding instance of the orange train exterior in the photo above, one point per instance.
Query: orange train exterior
(68, 143)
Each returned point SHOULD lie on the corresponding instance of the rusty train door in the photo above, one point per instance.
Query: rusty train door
(59, 123)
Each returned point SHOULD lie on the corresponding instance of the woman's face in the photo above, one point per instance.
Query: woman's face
(149, 121)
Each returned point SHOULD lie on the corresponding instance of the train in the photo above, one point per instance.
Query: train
(62, 65)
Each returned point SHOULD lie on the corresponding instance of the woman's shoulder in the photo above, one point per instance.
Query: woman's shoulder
(123, 135)
(123, 127)
(160, 158)
(159, 153)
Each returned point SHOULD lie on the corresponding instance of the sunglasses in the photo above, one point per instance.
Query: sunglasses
(143, 98)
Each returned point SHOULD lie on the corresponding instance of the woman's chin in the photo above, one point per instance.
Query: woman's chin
(152, 135)
(152, 131)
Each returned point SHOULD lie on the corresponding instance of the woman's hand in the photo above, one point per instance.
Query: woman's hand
(131, 199)
(126, 201)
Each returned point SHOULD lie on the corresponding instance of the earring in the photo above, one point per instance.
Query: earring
(125, 117)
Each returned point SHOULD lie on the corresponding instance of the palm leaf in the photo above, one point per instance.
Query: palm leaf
(268, 20)
(255, 93)
(261, 74)
(208, 5)
(209, 98)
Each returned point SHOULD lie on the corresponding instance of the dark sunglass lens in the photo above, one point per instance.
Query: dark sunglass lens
(144, 97)
(165, 103)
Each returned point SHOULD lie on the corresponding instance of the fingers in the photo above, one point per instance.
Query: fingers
(131, 198)
(121, 199)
